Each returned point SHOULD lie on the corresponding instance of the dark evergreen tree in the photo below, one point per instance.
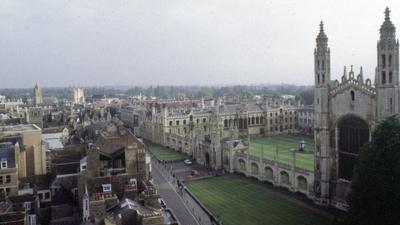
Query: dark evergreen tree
(375, 195)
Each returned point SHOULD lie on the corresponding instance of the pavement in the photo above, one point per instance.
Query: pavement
(172, 199)
(183, 171)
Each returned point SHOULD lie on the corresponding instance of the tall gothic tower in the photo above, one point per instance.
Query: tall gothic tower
(37, 95)
(322, 75)
(387, 70)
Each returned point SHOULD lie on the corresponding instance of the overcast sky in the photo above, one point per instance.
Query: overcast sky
(170, 42)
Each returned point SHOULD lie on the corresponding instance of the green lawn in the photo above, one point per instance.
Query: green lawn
(238, 200)
(164, 153)
(284, 143)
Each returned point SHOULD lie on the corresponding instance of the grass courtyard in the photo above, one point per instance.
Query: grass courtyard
(164, 153)
(284, 142)
(238, 200)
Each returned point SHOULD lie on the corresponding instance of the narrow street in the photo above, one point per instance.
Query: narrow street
(172, 198)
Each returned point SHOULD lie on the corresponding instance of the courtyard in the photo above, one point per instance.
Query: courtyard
(267, 147)
(163, 153)
(238, 200)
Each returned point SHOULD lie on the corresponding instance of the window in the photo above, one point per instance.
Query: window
(383, 61)
(106, 187)
(319, 79)
(390, 77)
(204, 120)
(1, 179)
(133, 181)
(3, 163)
(27, 206)
(47, 195)
(170, 123)
(177, 122)
(391, 105)
(323, 78)
(390, 60)
(383, 77)
(8, 179)
(318, 64)
(323, 64)
(184, 122)
(352, 95)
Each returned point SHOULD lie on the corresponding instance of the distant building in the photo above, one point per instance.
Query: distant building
(37, 95)
(9, 155)
(31, 158)
(306, 119)
(77, 95)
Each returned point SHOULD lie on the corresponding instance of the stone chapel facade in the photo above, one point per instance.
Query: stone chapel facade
(346, 112)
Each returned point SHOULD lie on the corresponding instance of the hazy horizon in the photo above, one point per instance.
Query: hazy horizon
(60, 43)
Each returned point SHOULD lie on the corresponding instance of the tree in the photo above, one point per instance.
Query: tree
(375, 194)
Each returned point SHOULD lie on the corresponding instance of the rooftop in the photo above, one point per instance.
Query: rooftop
(19, 128)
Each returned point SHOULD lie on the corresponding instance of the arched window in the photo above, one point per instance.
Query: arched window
(352, 95)
(225, 123)
(323, 78)
(319, 81)
(318, 64)
(383, 61)
(383, 77)
(390, 60)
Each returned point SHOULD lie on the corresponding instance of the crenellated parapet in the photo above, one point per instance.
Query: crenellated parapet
(351, 81)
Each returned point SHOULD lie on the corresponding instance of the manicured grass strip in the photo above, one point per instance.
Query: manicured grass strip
(164, 153)
(238, 200)
(284, 143)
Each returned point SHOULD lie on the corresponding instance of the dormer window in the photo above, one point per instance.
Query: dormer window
(133, 181)
(106, 187)
(4, 164)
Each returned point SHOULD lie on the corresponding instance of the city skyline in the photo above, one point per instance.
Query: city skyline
(70, 43)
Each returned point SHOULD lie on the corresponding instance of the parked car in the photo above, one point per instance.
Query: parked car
(188, 162)
(194, 173)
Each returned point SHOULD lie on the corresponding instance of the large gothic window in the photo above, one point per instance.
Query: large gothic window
(353, 134)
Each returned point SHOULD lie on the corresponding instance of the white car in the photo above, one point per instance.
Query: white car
(188, 162)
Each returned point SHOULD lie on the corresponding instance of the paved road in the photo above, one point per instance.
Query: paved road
(172, 199)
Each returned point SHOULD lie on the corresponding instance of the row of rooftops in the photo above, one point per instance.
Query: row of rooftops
(19, 128)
